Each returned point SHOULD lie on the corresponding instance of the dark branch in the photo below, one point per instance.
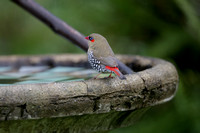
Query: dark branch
(57, 25)
(60, 27)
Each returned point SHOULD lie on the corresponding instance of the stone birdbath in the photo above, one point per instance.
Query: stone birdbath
(92, 105)
(36, 96)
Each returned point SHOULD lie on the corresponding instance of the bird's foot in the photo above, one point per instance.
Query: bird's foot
(96, 76)
(110, 76)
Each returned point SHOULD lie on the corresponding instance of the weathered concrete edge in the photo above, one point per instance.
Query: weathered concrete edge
(91, 96)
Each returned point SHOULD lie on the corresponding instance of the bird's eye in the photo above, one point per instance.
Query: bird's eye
(91, 39)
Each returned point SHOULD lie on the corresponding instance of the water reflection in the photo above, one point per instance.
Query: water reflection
(43, 74)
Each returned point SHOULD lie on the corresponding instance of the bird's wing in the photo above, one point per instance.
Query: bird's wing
(108, 61)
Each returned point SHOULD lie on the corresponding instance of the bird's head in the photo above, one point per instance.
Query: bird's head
(96, 40)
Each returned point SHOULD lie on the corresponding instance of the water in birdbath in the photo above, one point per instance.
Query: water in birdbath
(43, 74)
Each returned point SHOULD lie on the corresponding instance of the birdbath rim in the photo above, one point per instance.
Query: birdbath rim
(155, 82)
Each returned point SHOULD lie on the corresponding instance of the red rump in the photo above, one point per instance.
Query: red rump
(114, 69)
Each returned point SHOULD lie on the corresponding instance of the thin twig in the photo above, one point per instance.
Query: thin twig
(60, 27)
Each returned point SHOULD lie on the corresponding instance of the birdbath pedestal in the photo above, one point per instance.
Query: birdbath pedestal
(86, 106)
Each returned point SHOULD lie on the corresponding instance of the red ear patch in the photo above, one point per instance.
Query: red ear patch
(90, 38)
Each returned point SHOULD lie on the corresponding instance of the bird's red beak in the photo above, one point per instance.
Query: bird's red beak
(87, 37)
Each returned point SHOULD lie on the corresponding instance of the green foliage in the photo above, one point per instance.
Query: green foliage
(165, 29)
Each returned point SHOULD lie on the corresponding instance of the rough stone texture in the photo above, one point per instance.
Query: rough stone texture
(97, 123)
(104, 103)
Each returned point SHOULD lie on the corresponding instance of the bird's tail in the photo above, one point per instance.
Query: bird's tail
(116, 71)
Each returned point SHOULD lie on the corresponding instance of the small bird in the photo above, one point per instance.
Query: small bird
(101, 56)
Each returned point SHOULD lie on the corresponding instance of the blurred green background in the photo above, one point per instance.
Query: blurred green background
(167, 29)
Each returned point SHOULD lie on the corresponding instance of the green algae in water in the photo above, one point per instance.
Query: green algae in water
(40, 74)
(37, 75)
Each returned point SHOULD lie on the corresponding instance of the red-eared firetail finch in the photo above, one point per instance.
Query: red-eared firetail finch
(101, 56)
